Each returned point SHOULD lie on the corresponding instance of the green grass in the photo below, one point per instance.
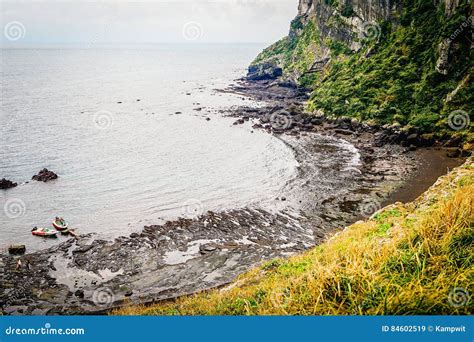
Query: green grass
(405, 260)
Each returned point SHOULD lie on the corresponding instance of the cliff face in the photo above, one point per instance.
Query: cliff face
(322, 22)
(346, 20)
(388, 61)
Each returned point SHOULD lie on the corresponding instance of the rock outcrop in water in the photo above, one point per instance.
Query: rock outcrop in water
(45, 176)
(7, 184)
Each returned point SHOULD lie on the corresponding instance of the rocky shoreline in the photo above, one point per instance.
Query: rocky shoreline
(7, 184)
(93, 276)
(283, 112)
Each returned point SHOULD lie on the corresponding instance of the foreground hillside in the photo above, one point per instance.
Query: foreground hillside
(415, 258)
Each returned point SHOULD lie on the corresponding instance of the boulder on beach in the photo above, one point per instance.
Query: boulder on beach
(264, 71)
(45, 176)
(7, 184)
(17, 249)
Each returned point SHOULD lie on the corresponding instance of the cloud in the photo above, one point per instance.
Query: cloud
(106, 22)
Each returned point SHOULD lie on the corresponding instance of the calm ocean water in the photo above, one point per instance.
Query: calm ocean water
(124, 165)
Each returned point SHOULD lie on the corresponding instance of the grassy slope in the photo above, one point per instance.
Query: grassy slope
(398, 81)
(405, 260)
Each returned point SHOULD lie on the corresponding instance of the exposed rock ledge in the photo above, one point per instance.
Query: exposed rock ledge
(45, 176)
(7, 184)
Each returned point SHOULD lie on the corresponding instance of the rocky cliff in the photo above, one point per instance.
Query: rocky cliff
(389, 61)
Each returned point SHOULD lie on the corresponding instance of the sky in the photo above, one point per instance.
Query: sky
(27, 23)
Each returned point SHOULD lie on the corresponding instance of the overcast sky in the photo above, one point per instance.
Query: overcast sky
(141, 22)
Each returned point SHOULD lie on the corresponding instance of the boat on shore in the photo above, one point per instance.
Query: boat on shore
(60, 224)
(44, 232)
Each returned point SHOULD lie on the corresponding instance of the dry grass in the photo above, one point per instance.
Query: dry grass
(405, 260)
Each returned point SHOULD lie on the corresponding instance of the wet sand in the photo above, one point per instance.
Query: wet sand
(432, 164)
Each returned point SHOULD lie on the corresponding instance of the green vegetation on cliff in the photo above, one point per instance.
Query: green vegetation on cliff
(398, 80)
(297, 54)
(393, 78)
(408, 259)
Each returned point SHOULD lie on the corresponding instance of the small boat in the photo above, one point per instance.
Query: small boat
(60, 224)
(45, 232)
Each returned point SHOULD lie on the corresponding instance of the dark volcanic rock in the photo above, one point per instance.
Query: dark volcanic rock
(17, 249)
(412, 139)
(427, 140)
(208, 248)
(287, 83)
(239, 122)
(265, 71)
(453, 152)
(7, 184)
(45, 176)
(343, 131)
